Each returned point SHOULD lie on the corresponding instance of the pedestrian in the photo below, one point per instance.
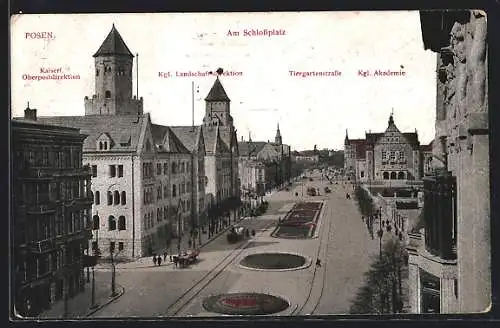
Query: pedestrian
(164, 256)
(362, 218)
(318, 262)
(154, 259)
(159, 260)
(176, 261)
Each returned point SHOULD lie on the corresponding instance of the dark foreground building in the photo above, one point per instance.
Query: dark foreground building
(450, 256)
(50, 206)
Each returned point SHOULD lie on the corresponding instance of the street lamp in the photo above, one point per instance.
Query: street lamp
(380, 233)
(113, 273)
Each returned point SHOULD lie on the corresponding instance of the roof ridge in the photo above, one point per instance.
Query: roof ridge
(113, 44)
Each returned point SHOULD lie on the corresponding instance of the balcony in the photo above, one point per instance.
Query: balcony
(49, 207)
(43, 246)
(76, 235)
(80, 201)
(51, 172)
(38, 174)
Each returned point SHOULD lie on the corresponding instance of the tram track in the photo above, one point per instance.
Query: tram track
(190, 294)
(325, 235)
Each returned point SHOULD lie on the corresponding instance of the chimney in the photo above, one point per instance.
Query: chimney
(30, 113)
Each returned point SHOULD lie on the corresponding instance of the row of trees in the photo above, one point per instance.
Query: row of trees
(382, 291)
(365, 201)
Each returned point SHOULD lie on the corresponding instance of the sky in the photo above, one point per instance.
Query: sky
(311, 110)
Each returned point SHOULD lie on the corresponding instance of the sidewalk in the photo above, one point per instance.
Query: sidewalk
(147, 262)
(80, 305)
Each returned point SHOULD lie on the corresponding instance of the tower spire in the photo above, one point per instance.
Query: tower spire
(278, 140)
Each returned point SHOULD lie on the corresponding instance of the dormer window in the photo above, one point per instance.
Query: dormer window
(107, 94)
(104, 142)
(148, 145)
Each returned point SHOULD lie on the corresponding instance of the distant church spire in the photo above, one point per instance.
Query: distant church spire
(278, 140)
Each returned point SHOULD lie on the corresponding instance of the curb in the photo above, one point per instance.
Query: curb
(121, 291)
(307, 264)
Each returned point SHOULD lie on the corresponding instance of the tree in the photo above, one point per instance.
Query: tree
(382, 291)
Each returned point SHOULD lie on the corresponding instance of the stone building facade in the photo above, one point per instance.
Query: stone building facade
(51, 205)
(221, 149)
(142, 174)
(386, 156)
(450, 269)
(264, 165)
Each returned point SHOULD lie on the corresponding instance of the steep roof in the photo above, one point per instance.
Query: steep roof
(167, 140)
(113, 45)
(427, 147)
(372, 138)
(124, 129)
(187, 135)
(211, 137)
(412, 137)
(249, 148)
(217, 93)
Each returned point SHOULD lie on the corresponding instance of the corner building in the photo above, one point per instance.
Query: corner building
(450, 257)
(142, 178)
(51, 207)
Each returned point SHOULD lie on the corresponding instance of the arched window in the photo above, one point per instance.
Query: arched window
(111, 223)
(165, 211)
(110, 198)
(401, 176)
(95, 222)
(124, 198)
(97, 198)
(121, 223)
(107, 94)
(105, 145)
(145, 221)
(386, 175)
(158, 216)
(148, 145)
(174, 167)
(100, 145)
(117, 197)
(393, 175)
(97, 72)
(174, 190)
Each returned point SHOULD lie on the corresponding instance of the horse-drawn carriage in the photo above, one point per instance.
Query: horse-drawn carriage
(237, 234)
(186, 259)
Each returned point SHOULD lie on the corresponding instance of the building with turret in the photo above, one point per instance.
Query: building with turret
(113, 63)
(385, 156)
(143, 175)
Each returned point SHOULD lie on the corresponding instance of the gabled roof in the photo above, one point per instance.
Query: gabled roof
(250, 148)
(213, 139)
(113, 45)
(217, 93)
(412, 138)
(122, 127)
(427, 148)
(167, 140)
(188, 135)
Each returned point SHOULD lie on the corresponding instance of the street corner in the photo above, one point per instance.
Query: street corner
(120, 290)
